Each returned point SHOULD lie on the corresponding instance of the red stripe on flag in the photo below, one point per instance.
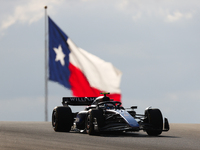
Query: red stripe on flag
(81, 88)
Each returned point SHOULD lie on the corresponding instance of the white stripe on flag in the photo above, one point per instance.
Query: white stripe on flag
(100, 74)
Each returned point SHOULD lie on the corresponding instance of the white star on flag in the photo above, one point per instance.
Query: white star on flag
(59, 55)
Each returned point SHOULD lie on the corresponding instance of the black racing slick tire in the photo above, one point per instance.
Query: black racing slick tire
(62, 119)
(94, 116)
(155, 120)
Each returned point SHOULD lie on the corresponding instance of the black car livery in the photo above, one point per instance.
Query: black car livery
(102, 114)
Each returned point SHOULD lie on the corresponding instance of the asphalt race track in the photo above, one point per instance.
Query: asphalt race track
(40, 135)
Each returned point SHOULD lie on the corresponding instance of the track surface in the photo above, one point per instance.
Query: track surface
(40, 135)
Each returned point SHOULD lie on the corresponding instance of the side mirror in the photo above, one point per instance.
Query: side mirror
(133, 107)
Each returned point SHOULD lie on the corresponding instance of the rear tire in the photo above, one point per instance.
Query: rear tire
(155, 120)
(62, 119)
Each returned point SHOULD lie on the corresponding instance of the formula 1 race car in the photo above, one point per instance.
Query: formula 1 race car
(102, 114)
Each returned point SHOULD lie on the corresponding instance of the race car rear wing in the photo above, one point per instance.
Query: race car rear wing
(78, 101)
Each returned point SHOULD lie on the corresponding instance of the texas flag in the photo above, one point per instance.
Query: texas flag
(83, 73)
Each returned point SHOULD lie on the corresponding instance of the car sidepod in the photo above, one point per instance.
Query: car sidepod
(119, 120)
(80, 120)
(129, 119)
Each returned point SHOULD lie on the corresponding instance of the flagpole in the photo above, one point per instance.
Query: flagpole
(46, 68)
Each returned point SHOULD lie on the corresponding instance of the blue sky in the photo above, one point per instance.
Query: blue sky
(154, 43)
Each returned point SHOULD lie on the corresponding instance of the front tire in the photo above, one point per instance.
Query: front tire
(62, 119)
(155, 120)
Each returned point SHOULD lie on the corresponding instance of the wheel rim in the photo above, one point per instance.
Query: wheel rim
(88, 122)
(54, 119)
